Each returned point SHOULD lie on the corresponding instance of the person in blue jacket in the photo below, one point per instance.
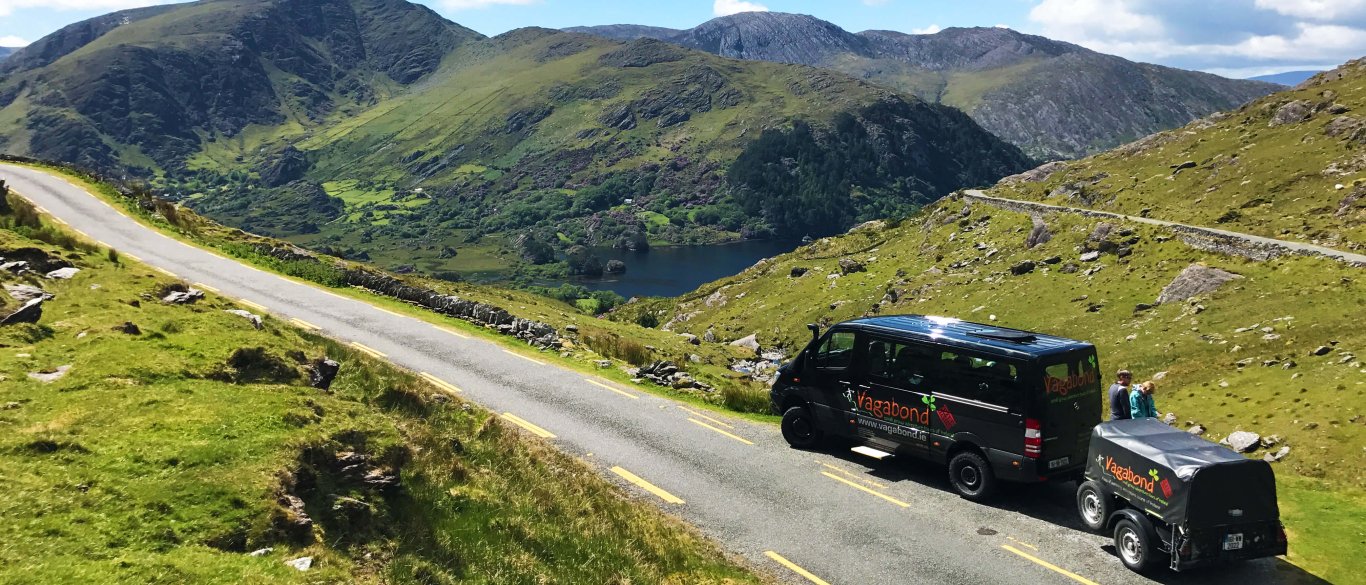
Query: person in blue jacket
(1141, 401)
(1119, 395)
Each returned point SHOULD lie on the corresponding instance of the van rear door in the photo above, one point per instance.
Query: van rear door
(1069, 404)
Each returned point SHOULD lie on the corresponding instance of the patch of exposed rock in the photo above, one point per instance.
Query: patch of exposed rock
(1196, 279)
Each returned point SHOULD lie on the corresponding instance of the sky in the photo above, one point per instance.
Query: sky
(1234, 38)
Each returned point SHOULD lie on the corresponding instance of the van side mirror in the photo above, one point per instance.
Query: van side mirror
(815, 330)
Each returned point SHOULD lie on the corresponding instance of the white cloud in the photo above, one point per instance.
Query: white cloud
(9, 6)
(929, 30)
(12, 41)
(729, 7)
(1320, 10)
(1236, 35)
(473, 4)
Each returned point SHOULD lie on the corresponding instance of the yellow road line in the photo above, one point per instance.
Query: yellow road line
(207, 287)
(439, 383)
(256, 306)
(854, 476)
(647, 486)
(42, 209)
(700, 415)
(794, 568)
(330, 293)
(452, 332)
(304, 324)
(100, 242)
(81, 233)
(367, 349)
(524, 423)
(868, 490)
(60, 220)
(618, 391)
(532, 360)
(165, 271)
(1023, 543)
(707, 426)
(1050, 566)
(135, 258)
(377, 307)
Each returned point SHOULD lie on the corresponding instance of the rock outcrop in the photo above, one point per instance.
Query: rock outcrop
(1196, 279)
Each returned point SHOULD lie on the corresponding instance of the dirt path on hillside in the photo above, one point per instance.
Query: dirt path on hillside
(1205, 238)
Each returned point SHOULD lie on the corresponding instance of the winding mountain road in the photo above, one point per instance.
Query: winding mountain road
(1264, 246)
(806, 517)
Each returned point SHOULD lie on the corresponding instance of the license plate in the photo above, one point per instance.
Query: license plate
(1233, 541)
(1056, 463)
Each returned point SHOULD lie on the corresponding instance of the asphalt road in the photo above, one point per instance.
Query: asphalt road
(841, 517)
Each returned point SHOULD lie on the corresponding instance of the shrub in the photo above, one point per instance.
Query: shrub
(614, 346)
(743, 397)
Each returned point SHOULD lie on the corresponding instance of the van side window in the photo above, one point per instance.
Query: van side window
(977, 378)
(837, 351)
(899, 364)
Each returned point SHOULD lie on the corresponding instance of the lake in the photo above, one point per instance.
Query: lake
(668, 271)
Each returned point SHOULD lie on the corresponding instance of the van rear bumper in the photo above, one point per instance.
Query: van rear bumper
(1013, 467)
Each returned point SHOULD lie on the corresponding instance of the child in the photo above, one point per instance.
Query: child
(1141, 401)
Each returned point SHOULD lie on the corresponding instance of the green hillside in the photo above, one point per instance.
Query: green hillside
(325, 122)
(150, 441)
(1288, 166)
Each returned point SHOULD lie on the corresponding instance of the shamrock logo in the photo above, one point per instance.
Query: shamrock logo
(929, 401)
(1091, 360)
(1153, 474)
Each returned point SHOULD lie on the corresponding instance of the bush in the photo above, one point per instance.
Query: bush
(614, 346)
(647, 320)
(743, 397)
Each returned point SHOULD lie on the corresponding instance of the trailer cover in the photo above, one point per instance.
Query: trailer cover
(1180, 477)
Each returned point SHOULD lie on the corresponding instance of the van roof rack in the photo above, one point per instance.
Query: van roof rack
(1004, 335)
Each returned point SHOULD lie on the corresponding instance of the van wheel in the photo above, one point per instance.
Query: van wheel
(1094, 505)
(971, 476)
(1133, 543)
(800, 430)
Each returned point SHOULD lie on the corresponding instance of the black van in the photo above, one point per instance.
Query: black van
(988, 401)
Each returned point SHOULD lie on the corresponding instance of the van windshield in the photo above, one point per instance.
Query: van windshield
(1074, 375)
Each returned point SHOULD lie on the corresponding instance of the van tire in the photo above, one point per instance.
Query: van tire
(1134, 545)
(971, 476)
(800, 428)
(1094, 505)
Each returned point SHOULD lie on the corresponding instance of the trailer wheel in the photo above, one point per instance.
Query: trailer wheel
(800, 429)
(1133, 543)
(971, 476)
(1093, 505)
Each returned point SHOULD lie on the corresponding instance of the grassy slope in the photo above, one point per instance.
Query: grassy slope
(1251, 177)
(141, 466)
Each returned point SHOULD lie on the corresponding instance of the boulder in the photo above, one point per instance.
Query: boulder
(1053, 260)
(63, 273)
(1270, 441)
(49, 376)
(188, 296)
(321, 373)
(750, 342)
(128, 327)
(1038, 174)
(249, 316)
(797, 272)
(1023, 267)
(690, 338)
(850, 266)
(614, 266)
(681, 380)
(1243, 441)
(260, 552)
(301, 563)
(1292, 113)
(1181, 166)
(14, 266)
(1170, 418)
(25, 293)
(1091, 256)
(1278, 455)
(1196, 430)
(1196, 279)
(29, 312)
(709, 335)
(1321, 350)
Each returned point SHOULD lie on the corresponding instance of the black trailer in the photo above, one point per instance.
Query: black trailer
(1165, 493)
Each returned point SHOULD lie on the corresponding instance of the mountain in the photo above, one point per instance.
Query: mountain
(1053, 99)
(1235, 340)
(374, 128)
(625, 32)
(6, 52)
(1288, 78)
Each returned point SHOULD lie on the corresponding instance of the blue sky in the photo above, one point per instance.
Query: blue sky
(1236, 38)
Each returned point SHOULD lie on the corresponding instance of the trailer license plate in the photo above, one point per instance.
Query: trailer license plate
(1056, 463)
(1233, 541)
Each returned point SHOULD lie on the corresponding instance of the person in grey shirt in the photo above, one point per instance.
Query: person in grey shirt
(1119, 395)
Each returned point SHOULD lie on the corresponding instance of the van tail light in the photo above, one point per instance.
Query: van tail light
(1033, 438)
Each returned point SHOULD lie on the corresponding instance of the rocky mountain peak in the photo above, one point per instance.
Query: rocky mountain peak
(772, 36)
(976, 48)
